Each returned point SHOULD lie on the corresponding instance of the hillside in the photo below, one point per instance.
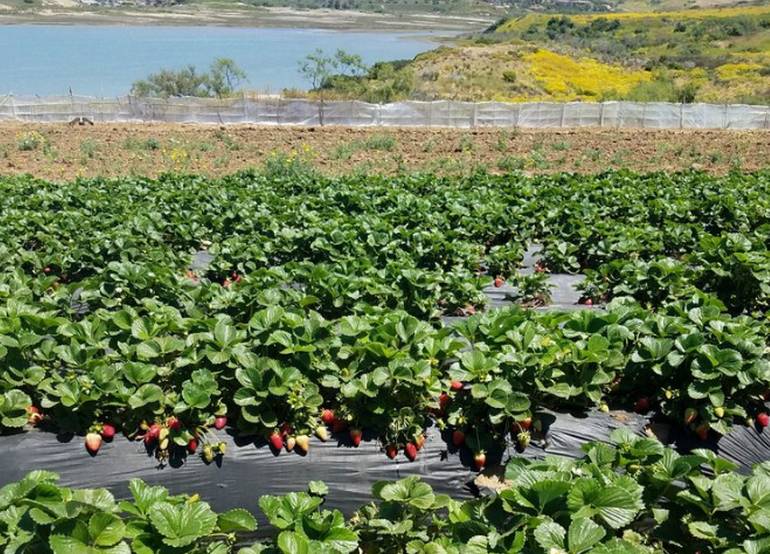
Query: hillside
(709, 55)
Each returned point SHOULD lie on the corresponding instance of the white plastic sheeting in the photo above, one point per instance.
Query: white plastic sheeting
(282, 111)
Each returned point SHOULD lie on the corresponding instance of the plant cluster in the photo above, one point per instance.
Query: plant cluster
(631, 496)
(292, 305)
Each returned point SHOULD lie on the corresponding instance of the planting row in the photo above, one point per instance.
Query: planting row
(288, 373)
(417, 243)
(632, 496)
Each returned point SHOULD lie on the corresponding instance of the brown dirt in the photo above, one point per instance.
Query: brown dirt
(61, 152)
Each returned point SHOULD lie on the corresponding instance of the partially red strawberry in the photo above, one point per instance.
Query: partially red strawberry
(192, 446)
(227, 283)
(220, 422)
(276, 441)
(480, 460)
(588, 302)
(410, 451)
(525, 424)
(689, 415)
(93, 443)
(443, 401)
(173, 423)
(763, 419)
(46, 270)
(33, 415)
(152, 434)
(499, 281)
(458, 438)
(327, 416)
(391, 451)
(356, 436)
(235, 277)
(470, 309)
(642, 406)
(108, 431)
(291, 442)
(339, 425)
(419, 441)
(702, 431)
(456, 385)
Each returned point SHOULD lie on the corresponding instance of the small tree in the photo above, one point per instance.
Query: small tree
(222, 79)
(318, 68)
(225, 77)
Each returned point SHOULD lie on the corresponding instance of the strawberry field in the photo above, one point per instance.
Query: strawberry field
(288, 309)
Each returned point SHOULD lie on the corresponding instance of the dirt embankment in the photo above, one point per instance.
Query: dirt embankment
(62, 152)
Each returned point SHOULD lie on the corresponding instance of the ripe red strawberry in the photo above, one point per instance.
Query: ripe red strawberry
(236, 278)
(285, 429)
(327, 416)
(173, 423)
(456, 385)
(303, 442)
(480, 460)
(702, 431)
(642, 406)
(458, 438)
(763, 419)
(443, 401)
(93, 443)
(689, 415)
(419, 442)
(192, 446)
(339, 425)
(355, 436)
(108, 431)
(525, 424)
(276, 441)
(391, 451)
(33, 415)
(499, 281)
(410, 451)
(220, 422)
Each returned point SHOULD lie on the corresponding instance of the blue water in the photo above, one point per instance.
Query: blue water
(106, 60)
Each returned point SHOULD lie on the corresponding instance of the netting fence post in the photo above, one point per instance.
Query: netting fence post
(601, 114)
(681, 115)
(475, 115)
(563, 112)
(767, 117)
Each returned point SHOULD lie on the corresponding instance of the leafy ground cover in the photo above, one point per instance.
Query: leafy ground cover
(631, 496)
(285, 305)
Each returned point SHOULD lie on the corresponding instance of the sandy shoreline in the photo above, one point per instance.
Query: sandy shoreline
(342, 20)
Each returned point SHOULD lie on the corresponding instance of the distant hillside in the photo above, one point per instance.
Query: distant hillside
(710, 55)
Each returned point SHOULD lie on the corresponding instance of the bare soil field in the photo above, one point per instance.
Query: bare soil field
(62, 152)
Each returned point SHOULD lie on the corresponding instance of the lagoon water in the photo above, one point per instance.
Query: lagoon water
(106, 60)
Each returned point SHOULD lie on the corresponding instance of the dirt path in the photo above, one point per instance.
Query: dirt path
(61, 152)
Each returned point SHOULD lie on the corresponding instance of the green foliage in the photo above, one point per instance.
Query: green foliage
(223, 78)
(632, 495)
